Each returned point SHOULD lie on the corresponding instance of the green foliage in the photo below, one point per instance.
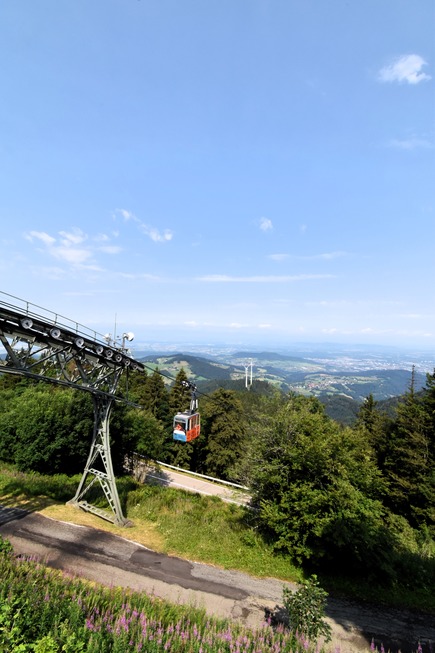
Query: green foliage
(179, 395)
(46, 644)
(341, 408)
(318, 490)
(155, 398)
(306, 610)
(135, 429)
(47, 429)
(5, 547)
(132, 384)
(225, 433)
(193, 526)
(410, 460)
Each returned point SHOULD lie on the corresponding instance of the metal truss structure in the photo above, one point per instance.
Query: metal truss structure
(45, 346)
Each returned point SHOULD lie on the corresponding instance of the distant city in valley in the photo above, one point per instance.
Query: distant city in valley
(323, 369)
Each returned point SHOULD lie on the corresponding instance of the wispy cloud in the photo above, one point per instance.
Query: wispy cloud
(152, 232)
(278, 257)
(73, 248)
(67, 248)
(325, 256)
(266, 224)
(411, 144)
(407, 68)
(223, 278)
(42, 236)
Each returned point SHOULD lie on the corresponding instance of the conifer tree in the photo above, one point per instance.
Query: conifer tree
(180, 394)
(132, 385)
(225, 432)
(376, 426)
(409, 462)
(155, 398)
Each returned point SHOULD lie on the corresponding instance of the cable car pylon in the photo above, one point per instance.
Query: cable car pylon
(99, 468)
(45, 346)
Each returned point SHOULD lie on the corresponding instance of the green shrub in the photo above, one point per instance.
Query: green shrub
(306, 610)
(5, 546)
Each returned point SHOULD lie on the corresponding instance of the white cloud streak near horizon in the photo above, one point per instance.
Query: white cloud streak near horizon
(223, 278)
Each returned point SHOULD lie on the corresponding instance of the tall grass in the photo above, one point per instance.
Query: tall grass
(205, 529)
(193, 526)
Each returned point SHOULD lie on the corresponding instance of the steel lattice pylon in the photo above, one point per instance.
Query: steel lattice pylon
(100, 453)
(43, 345)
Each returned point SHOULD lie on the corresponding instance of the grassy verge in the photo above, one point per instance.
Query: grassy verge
(191, 526)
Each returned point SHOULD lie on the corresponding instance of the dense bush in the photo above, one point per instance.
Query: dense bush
(46, 429)
(320, 497)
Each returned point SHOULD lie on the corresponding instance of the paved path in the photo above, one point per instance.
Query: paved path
(145, 473)
(115, 561)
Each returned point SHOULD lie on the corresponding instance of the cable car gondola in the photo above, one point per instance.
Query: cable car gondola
(187, 425)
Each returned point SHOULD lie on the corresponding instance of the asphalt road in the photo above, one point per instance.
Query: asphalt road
(146, 473)
(115, 561)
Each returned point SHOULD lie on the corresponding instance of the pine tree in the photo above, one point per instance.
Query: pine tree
(376, 426)
(180, 394)
(225, 432)
(409, 461)
(155, 398)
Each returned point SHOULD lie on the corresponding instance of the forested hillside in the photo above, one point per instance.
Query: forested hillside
(289, 373)
(357, 500)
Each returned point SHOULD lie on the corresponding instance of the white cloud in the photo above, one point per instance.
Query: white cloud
(411, 144)
(407, 68)
(66, 247)
(76, 237)
(278, 257)
(152, 232)
(72, 255)
(42, 236)
(224, 278)
(127, 215)
(155, 234)
(63, 249)
(325, 256)
(266, 224)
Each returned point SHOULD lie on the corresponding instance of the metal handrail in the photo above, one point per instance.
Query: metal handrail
(56, 319)
(187, 471)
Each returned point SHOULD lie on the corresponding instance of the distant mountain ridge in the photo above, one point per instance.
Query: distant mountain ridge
(289, 373)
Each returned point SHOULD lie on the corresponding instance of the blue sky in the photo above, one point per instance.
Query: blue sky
(240, 171)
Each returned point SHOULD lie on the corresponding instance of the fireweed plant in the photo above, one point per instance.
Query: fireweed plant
(42, 610)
